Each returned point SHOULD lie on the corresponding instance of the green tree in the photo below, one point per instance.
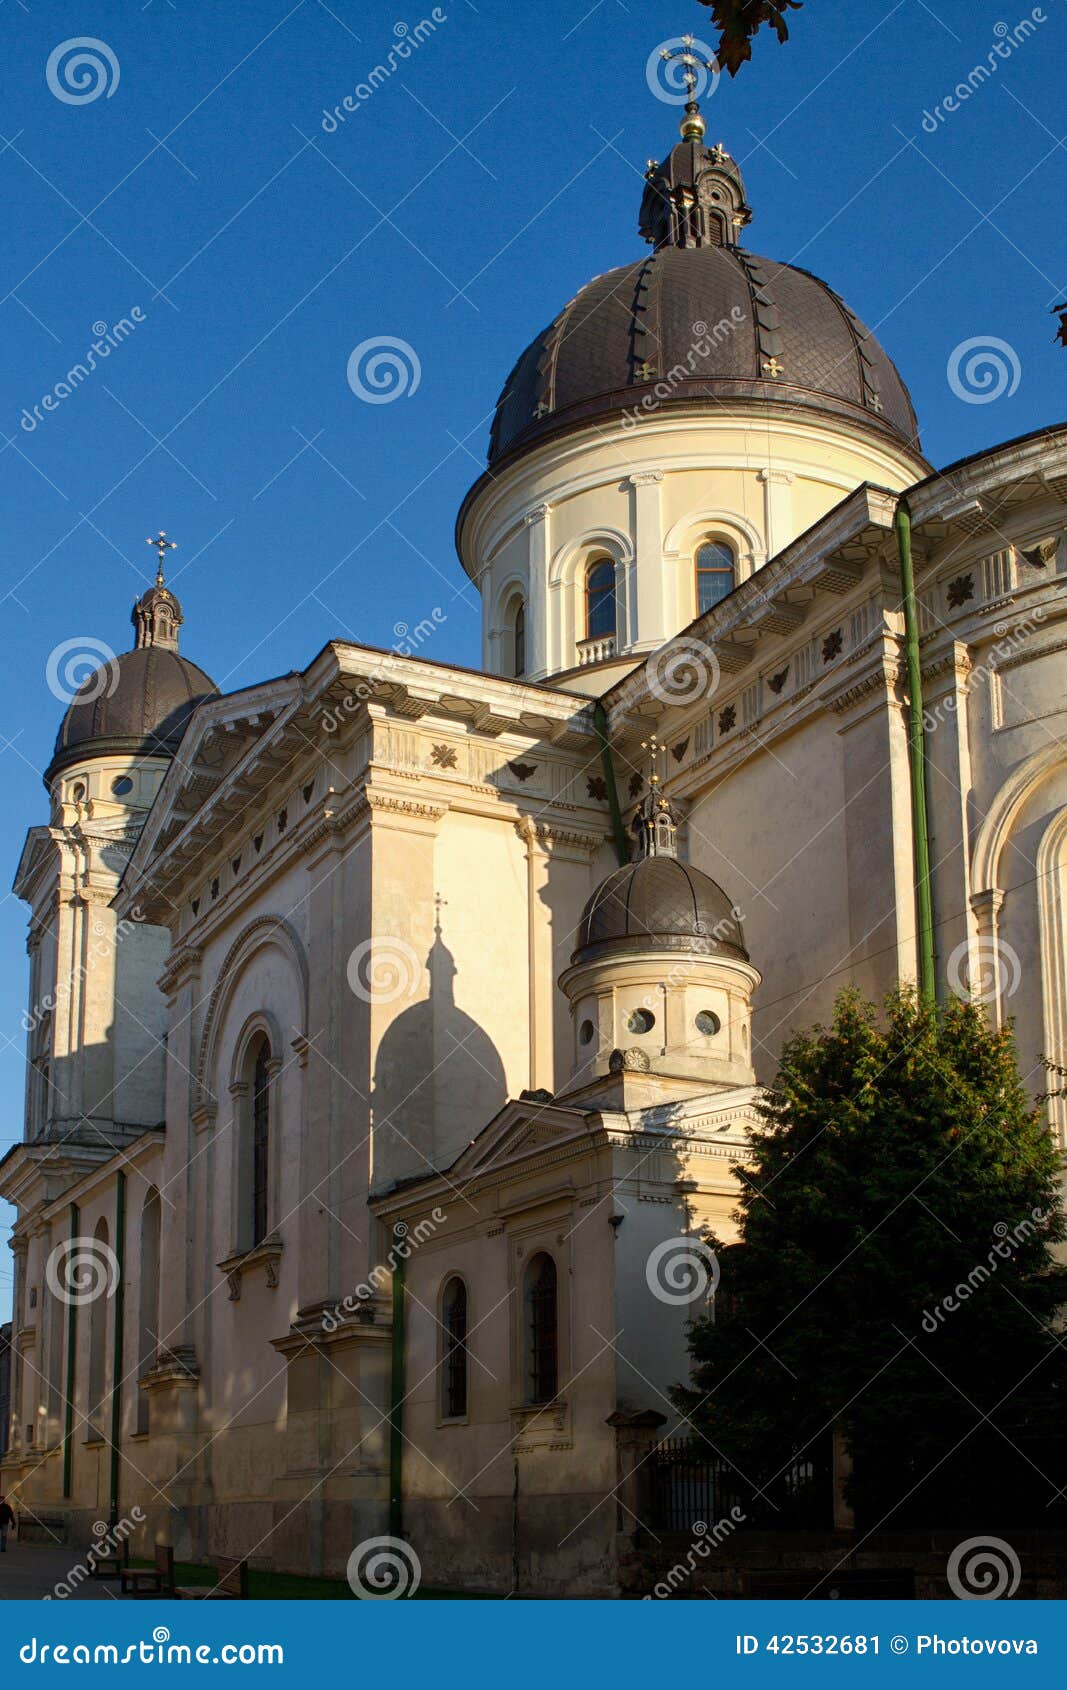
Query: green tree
(739, 20)
(895, 1279)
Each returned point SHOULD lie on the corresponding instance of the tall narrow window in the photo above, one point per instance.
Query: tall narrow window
(542, 1329)
(148, 1336)
(260, 1143)
(600, 606)
(715, 573)
(519, 654)
(98, 1320)
(454, 1313)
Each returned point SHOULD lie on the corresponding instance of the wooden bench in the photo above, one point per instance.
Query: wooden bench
(231, 1583)
(151, 1581)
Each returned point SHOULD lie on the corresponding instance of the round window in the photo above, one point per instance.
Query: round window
(77, 791)
(121, 786)
(641, 1021)
(708, 1022)
(585, 1032)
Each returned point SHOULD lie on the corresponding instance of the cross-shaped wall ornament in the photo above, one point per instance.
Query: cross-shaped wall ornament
(773, 367)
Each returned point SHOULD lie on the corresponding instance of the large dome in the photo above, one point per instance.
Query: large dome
(701, 318)
(139, 703)
(659, 904)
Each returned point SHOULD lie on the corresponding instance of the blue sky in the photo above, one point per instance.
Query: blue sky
(456, 209)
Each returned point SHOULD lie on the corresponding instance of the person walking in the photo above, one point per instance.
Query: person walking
(7, 1520)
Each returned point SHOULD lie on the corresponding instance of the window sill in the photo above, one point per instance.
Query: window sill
(453, 1420)
(267, 1255)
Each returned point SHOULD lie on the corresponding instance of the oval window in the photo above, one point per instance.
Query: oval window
(641, 1021)
(121, 786)
(708, 1023)
(585, 1032)
(77, 791)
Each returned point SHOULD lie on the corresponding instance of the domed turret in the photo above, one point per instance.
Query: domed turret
(660, 967)
(138, 704)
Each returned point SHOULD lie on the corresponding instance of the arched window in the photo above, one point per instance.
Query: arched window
(260, 1143)
(542, 1330)
(98, 1341)
(519, 652)
(600, 606)
(715, 566)
(148, 1335)
(454, 1321)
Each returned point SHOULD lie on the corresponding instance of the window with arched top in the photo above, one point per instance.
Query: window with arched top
(98, 1322)
(261, 1101)
(542, 1329)
(148, 1314)
(454, 1360)
(716, 569)
(601, 610)
(518, 656)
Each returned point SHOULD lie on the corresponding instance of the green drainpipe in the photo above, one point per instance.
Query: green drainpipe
(396, 1392)
(116, 1373)
(600, 724)
(72, 1350)
(924, 906)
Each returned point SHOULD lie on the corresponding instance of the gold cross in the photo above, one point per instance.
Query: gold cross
(644, 370)
(689, 60)
(653, 747)
(163, 546)
(773, 367)
(719, 154)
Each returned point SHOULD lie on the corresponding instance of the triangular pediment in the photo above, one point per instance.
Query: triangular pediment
(522, 1128)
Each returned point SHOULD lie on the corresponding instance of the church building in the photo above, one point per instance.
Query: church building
(394, 1028)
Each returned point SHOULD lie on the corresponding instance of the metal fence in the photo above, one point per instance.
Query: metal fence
(689, 1482)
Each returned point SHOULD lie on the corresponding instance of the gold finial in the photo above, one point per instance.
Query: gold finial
(654, 748)
(163, 546)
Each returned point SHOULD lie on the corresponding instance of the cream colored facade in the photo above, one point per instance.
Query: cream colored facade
(314, 1060)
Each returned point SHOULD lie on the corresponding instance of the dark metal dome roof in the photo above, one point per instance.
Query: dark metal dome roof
(138, 703)
(699, 319)
(659, 904)
(700, 322)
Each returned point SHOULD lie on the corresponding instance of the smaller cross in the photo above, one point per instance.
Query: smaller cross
(163, 546)
(541, 409)
(439, 905)
(644, 370)
(874, 402)
(773, 367)
(719, 155)
(653, 747)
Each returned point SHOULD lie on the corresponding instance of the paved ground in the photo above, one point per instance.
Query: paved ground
(31, 1570)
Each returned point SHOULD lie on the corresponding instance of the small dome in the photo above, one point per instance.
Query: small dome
(138, 703)
(659, 904)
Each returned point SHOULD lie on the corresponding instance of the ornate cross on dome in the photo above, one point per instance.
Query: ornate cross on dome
(689, 61)
(163, 546)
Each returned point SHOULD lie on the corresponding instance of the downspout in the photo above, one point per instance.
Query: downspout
(72, 1349)
(116, 1366)
(920, 833)
(396, 1389)
(600, 725)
